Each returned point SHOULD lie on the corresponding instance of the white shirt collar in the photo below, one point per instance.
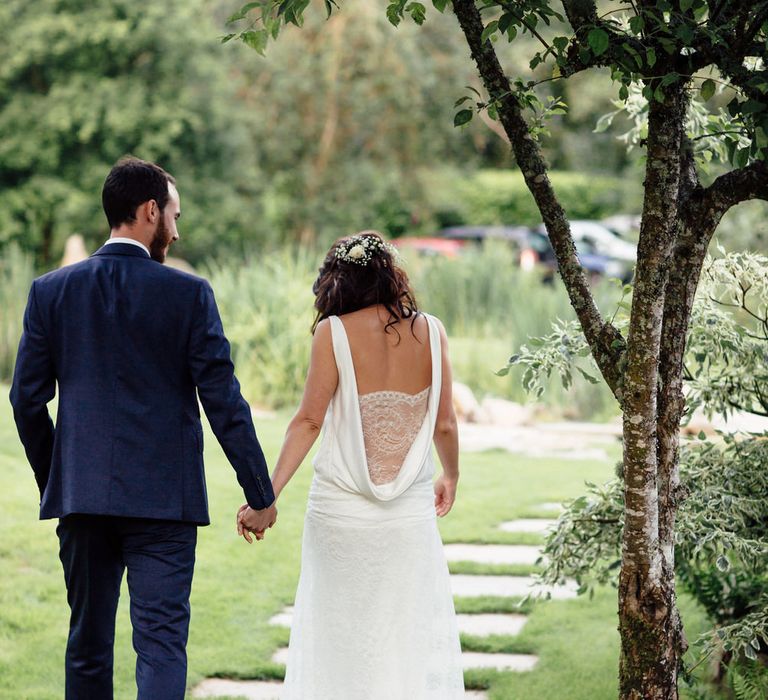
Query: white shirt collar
(132, 241)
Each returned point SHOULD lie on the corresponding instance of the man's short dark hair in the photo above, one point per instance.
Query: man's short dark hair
(130, 183)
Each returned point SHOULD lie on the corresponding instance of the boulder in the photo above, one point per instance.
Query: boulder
(464, 403)
(505, 413)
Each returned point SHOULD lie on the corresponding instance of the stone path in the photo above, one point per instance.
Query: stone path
(500, 662)
(266, 690)
(469, 586)
(479, 625)
(493, 553)
(539, 526)
(463, 585)
(251, 690)
(566, 441)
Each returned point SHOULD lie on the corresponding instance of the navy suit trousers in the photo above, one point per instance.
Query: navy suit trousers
(159, 556)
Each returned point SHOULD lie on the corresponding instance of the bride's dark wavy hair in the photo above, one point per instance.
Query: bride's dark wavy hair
(342, 286)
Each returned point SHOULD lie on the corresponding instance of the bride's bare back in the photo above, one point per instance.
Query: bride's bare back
(393, 360)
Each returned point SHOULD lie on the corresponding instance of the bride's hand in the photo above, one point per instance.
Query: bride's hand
(242, 530)
(445, 495)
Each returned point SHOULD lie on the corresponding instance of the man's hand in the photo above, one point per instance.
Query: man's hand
(250, 521)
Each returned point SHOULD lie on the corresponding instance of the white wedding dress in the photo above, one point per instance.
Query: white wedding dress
(374, 616)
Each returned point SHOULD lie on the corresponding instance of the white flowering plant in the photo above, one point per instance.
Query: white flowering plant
(361, 248)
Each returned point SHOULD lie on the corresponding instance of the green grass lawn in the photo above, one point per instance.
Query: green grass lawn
(238, 587)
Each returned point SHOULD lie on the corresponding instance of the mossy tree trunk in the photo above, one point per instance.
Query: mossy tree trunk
(645, 370)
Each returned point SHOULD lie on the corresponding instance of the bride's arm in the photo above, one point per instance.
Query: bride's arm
(446, 436)
(305, 426)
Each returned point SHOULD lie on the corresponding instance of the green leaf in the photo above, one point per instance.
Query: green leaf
(741, 157)
(636, 24)
(598, 41)
(707, 89)
(752, 107)
(257, 40)
(670, 78)
(395, 12)
(417, 11)
(506, 21)
(685, 5)
(603, 123)
(503, 372)
(722, 563)
(588, 377)
(658, 94)
(650, 57)
(463, 116)
(440, 5)
(623, 92)
(242, 12)
(489, 29)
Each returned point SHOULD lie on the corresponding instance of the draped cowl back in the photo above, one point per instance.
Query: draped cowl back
(341, 458)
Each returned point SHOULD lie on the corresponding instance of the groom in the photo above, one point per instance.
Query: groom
(132, 344)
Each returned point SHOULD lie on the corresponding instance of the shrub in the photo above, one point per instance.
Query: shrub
(722, 522)
(495, 197)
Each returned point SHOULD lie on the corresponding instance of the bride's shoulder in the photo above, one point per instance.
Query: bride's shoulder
(434, 319)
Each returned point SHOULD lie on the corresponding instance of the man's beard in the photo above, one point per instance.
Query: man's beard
(160, 241)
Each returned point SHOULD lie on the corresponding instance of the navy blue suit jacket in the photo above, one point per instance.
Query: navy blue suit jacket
(131, 344)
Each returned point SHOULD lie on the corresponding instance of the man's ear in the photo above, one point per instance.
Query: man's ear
(153, 211)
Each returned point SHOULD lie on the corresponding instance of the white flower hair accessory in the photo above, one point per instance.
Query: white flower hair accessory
(360, 249)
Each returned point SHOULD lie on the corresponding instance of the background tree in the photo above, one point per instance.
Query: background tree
(82, 83)
(664, 47)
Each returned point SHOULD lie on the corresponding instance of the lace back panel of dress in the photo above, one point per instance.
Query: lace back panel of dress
(391, 421)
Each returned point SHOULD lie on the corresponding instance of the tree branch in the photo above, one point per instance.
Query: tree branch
(749, 182)
(604, 339)
(580, 13)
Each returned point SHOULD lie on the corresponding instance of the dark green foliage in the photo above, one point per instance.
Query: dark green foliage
(501, 197)
(83, 83)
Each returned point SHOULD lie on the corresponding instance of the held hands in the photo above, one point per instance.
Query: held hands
(255, 522)
(445, 494)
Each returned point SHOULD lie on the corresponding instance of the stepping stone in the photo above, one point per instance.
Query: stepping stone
(284, 618)
(501, 662)
(493, 553)
(540, 526)
(480, 625)
(478, 661)
(468, 586)
(483, 625)
(281, 656)
(252, 690)
(550, 505)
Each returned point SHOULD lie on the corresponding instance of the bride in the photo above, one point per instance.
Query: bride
(374, 616)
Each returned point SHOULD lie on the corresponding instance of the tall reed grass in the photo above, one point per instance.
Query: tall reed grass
(16, 274)
(488, 305)
(266, 308)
